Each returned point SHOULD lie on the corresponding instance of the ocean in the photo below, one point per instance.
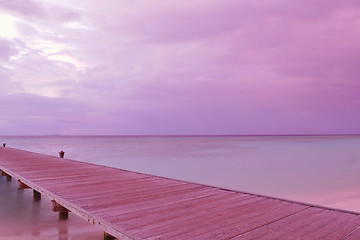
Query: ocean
(321, 170)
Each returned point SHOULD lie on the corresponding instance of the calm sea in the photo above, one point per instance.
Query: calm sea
(322, 170)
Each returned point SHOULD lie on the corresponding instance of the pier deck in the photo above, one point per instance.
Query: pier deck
(131, 205)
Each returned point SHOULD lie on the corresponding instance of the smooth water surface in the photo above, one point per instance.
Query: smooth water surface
(21, 218)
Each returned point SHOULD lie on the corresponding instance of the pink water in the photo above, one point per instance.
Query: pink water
(21, 218)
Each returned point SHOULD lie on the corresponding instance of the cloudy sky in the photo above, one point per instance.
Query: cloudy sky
(179, 67)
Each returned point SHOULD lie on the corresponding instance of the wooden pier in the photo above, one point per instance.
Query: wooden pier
(129, 205)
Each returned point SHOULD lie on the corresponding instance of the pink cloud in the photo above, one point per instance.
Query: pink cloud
(40, 11)
(170, 67)
(24, 7)
(6, 49)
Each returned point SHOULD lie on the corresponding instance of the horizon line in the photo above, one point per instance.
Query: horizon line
(180, 135)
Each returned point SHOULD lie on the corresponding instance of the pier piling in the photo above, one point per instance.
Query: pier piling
(22, 185)
(108, 236)
(63, 212)
(61, 154)
(36, 195)
(8, 177)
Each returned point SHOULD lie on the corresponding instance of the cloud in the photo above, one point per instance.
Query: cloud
(40, 75)
(181, 67)
(23, 7)
(24, 113)
(39, 10)
(7, 49)
(25, 29)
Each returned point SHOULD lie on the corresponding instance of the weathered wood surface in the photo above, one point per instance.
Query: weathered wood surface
(132, 205)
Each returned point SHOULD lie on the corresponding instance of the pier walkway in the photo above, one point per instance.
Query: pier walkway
(129, 205)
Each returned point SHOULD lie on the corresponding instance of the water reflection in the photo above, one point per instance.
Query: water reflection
(63, 230)
(35, 213)
(22, 218)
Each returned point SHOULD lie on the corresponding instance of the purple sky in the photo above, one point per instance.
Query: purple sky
(179, 67)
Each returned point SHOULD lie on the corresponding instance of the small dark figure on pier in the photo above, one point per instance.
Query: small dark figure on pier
(61, 154)
(4, 144)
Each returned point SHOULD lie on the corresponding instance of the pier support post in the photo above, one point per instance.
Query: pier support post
(63, 215)
(36, 195)
(61, 154)
(63, 212)
(22, 185)
(8, 177)
(108, 236)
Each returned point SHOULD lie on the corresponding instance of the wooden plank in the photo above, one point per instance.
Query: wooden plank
(138, 198)
(139, 206)
(282, 228)
(354, 235)
(328, 229)
(231, 221)
(234, 224)
(171, 211)
(177, 224)
(88, 194)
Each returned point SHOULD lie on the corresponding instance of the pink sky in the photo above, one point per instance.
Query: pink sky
(179, 67)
